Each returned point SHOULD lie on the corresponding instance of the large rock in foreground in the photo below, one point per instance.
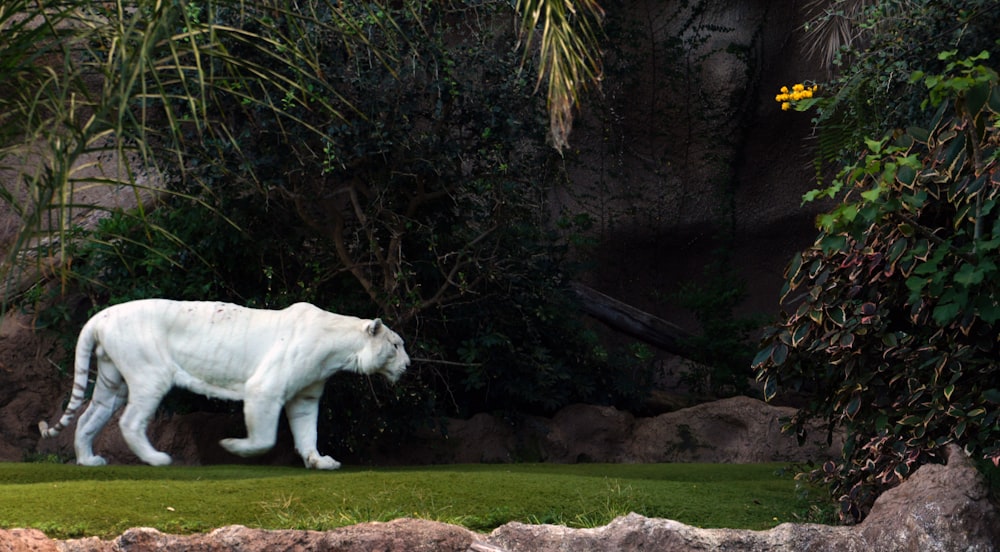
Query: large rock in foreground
(942, 508)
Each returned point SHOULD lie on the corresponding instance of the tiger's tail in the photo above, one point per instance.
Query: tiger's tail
(81, 373)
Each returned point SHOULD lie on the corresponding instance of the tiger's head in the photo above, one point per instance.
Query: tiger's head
(387, 356)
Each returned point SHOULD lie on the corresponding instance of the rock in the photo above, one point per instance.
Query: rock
(635, 532)
(25, 540)
(583, 433)
(940, 508)
(495, 440)
(734, 430)
(410, 535)
(29, 383)
(739, 429)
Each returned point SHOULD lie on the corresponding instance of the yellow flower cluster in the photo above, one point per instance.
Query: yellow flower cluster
(798, 92)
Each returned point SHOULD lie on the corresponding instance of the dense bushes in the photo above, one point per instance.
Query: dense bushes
(882, 43)
(893, 332)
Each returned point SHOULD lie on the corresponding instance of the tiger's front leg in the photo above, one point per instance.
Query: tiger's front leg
(303, 412)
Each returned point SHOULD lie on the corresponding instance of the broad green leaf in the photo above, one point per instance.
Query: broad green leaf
(761, 356)
(810, 196)
(921, 249)
(890, 340)
(852, 407)
(793, 270)
(988, 245)
(948, 391)
(786, 288)
(847, 340)
(968, 275)
(833, 243)
(815, 268)
(988, 310)
(871, 195)
(847, 212)
(919, 134)
(952, 157)
(816, 315)
(929, 267)
(975, 185)
(875, 146)
(826, 222)
(837, 315)
(960, 429)
(916, 284)
(992, 395)
(994, 101)
(799, 334)
(770, 388)
(906, 175)
(779, 354)
(976, 98)
(896, 250)
(881, 422)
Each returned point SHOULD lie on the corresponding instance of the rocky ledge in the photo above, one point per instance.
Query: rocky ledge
(941, 507)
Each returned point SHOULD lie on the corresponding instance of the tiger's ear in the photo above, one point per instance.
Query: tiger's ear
(375, 327)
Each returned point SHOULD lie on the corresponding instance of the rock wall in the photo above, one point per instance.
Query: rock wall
(735, 430)
(30, 386)
(685, 149)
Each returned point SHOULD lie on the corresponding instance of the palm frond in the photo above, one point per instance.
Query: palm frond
(569, 54)
(831, 27)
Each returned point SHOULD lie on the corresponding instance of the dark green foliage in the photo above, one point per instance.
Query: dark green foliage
(871, 91)
(724, 347)
(402, 175)
(897, 305)
(182, 259)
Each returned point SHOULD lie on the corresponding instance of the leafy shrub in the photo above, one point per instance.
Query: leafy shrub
(870, 90)
(894, 334)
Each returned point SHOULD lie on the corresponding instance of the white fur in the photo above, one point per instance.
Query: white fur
(267, 359)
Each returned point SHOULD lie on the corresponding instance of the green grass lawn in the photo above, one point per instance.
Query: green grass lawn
(72, 501)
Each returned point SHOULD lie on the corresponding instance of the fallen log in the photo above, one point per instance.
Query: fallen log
(634, 322)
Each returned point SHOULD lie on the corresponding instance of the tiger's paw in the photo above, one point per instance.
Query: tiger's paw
(92, 461)
(317, 462)
(158, 459)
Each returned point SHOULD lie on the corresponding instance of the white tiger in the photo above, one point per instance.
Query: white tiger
(266, 358)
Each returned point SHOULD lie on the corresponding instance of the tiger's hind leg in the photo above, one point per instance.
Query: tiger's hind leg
(110, 393)
(143, 400)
